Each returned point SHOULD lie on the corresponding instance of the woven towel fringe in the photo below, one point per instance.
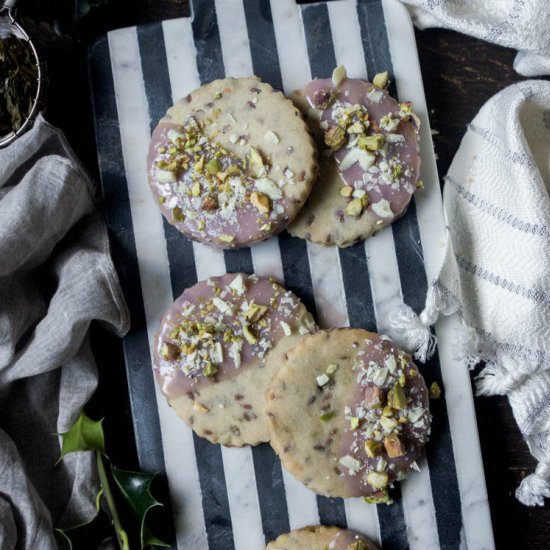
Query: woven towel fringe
(413, 332)
(494, 379)
(535, 487)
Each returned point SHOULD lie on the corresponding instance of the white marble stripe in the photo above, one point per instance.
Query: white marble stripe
(346, 36)
(467, 453)
(240, 478)
(418, 504)
(237, 58)
(155, 275)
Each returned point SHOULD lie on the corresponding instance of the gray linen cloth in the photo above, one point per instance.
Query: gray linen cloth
(56, 277)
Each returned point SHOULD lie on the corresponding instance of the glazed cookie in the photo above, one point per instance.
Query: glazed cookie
(231, 163)
(319, 537)
(371, 159)
(210, 353)
(348, 413)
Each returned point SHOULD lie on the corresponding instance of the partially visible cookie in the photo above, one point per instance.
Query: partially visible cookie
(231, 163)
(209, 355)
(348, 413)
(319, 537)
(371, 160)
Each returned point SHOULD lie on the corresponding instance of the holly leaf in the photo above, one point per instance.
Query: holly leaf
(135, 487)
(85, 435)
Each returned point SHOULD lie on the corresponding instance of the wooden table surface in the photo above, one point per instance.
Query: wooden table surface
(460, 73)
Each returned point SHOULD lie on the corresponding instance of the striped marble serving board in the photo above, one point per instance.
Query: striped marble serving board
(226, 498)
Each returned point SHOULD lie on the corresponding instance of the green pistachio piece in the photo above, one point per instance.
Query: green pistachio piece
(177, 214)
(327, 416)
(213, 167)
(380, 497)
(371, 143)
(397, 398)
(210, 370)
(354, 208)
(335, 137)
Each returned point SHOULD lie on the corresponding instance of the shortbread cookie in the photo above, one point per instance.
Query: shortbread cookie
(232, 163)
(348, 413)
(210, 353)
(373, 140)
(319, 537)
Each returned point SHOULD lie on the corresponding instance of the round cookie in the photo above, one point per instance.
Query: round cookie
(370, 165)
(319, 537)
(231, 163)
(210, 352)
(348, 413)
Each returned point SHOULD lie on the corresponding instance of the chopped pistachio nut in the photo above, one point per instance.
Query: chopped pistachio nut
(265, 227)
(210, 370)
(256, 161)
(346, 191)
(381, 80)
(381, 497)
(397, 398)
(339, 75)
(435, 391)
(196, 189)
(213, 166)
(177, 214)
(372, 447)
(201, 225)
(335, 137)
(227, 238)
(249, 335)
(323, 99)
(393, 446)
(372, 143)
(420, 184)
(254, 312)
(354, 423)
(388, 423)
(365, 201)
(261, 202)
(331, 369)
(378, 480)
(355, 128)
(326, 416)
(354, 208)
(358, 545)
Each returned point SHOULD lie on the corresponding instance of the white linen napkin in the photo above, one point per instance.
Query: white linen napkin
(56, 277)
(519, 24)
(496, 271)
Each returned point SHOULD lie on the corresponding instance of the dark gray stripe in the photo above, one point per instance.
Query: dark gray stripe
(498, 212)
(414, 286)
(516, 157)
(118, 216)
(322, 61)
(183, 274)
(497, 280)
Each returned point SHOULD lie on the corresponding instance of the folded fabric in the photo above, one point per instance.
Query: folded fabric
(56, 277)
(522, 25)
(496, 272)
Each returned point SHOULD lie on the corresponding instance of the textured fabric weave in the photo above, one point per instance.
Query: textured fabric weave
(56, 276)
(519, 24)
(496, 271)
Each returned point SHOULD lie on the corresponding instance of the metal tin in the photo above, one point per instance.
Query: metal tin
(17, 30)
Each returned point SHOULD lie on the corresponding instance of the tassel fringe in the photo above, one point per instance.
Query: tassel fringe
(535, 487)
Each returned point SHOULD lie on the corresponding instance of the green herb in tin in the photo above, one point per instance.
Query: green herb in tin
(18, 83)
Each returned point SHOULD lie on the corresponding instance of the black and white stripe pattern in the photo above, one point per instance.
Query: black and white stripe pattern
(241, 498)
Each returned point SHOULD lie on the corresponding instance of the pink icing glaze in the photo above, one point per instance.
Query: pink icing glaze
(413, 438)
(244, 225)
(355, 91)
(172, 380)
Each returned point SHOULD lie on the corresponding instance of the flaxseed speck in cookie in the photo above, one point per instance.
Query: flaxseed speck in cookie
(348, 413)
(209, 355)
(319, 537)
(370, 164)
(232, 163)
